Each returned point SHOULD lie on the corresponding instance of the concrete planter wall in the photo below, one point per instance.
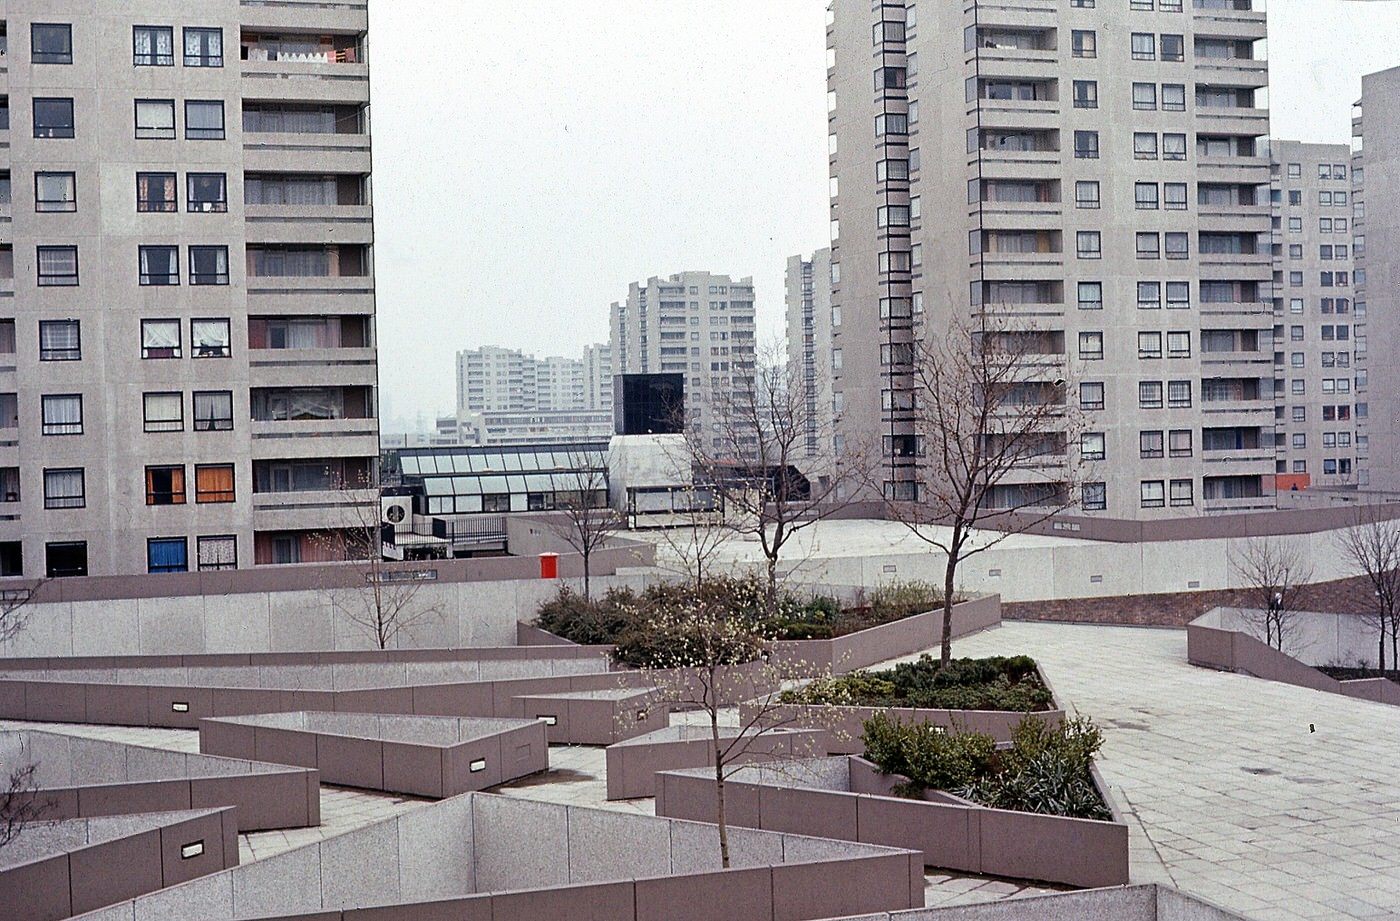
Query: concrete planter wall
(817, 798)
(82, 778)
(893, 640)
(421, 756)
(1119, 903)
(633, 763)
(599, 717)
(1213, 646)
(479, 857)
(846, 724)
(75, 866)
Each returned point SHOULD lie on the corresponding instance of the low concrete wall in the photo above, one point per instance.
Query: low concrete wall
(893, 640)
(530, 635)
(82, 778)
(599, 717)
(632, 764)
(479, 857)
(1120, 903)
(845, 725)
(954, 836)
(75, 866)
(421, 756)
(1212, 646)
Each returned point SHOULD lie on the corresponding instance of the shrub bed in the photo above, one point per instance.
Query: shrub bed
(996, 683)
(1046, 769)
(620, 615)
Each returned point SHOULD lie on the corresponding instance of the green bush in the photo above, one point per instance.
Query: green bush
(995, 683)
(1045, 770)
(895, 600)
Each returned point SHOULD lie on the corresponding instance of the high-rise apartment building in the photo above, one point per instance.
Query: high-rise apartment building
(694, 323)
(1099, 174)
(506, 397)
(188, 268)
(809, 320)
(1320, 367)
(1375, 180)
(598, 376)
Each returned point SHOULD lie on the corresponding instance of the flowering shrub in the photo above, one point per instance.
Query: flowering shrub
(995, 683)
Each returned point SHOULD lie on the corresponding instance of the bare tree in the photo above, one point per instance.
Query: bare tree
(702, 532)
(21, 803)
(996, 446)
(16, 609)
(708, 659)
(1273, 570)
(757, 463)
(384, 602)
(1372, 547)
(585, 522)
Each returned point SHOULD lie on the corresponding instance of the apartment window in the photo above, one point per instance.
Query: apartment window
(1179, 443)
(1181, 492)
(1082, 4)
(160, 338)
(1153, 494)
(1149, 345)
(1088, 244)
(1295, 279)
(1295, 198)
(153, 46)
(1092, 446)
(57, 266)
(892, 216)
(1091, 295)
(53, 117)
(1295, 304)
(65, 558)
(59, 340)
(155, 192)
(217, 552)
(167, 554)
(1295, 333)
(1145, 195)
(1084, 43)
(887, 170)
(1150, 444)
(1298, 387)
(1095, 497)
(213, 483)
(1295, 171)
(63, 488)
(165, 485)
(1144, 46)
(1091, 395)
(1173, 47)
(62, 413)
(51, 43)
(1295, 251)
(208, 265)
(1174, 196)
(891, 123)
(1324, 199)
(1086, 194)
(207, 191)
(1150, 394)
(209, 338)
(1149, 246)
(1300, 440)
(213, 410)
(204, 47)
(1144, 145)
(164, 412)
(1299, 414)
(1144, 96)
(204, 119)
(1178, 295)
(1173, 147)
(1178, 345)
(1149, 295)
(1178, 394)
(1086, 94)
(1173, 97)
(1091, 346)
(1178, 245)
(1086, 145)
(160, 265)
(155, 119)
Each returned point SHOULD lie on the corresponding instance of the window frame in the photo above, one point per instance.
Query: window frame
(1092, 405)
(201, 251)
(50, 57)
(43, 205)
(204, 540)
(198, 351)
(176, 424)
(200, 205)
(178, 348)
(177, 494)
(64, 280)
(206, 134)
(213, 423)
(148, 279)
(147, 180)
(202, 59)
(68, 501)
(56, 131)
(152, 58)
(154, 542)
(74, 353)
(212, 496)
(48, 428)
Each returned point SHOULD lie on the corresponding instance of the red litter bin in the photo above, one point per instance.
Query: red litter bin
(549, 565)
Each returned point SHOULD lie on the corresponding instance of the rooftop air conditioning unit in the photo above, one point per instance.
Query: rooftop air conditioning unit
(396, 510)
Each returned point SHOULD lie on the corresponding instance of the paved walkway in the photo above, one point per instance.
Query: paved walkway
(1277, 802)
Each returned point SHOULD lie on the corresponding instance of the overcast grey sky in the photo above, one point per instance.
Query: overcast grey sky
(530, 160)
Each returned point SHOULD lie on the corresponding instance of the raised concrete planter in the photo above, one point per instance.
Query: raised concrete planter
(1118, 903)
(479, 857)
(845, 725)
(1210, 644)
(69, 867)
(81, 778)
(422, 756)
(633, 763)
(599, 717)
(817, 798)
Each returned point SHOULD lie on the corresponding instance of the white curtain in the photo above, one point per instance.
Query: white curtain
(64, 410)
(58, 336)
(209, 337)
(160, 334)
(164, 411)
(159, 264)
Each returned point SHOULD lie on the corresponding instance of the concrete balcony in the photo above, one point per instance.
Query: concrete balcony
(1250, 412)
(1232, 120)
(1019, 113)
(1264, 454)
(309, 437)
(1229, 23)
(1020, 215)
(280, 151)
(1224, 364)
(1035, 13)
(1251, 504)
(309, 224)
(306, 81)
(303, 15)
(1019, 164)
(303, 285)
(1018, 261)
(291, 511)
(1234, 71)
(1235, 310)
(1235, 217)
(336, 368)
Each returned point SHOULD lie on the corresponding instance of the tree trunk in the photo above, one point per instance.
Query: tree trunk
(945, 654)
(772, 586)
(587, 575)
(1380, 652)
(719, 790)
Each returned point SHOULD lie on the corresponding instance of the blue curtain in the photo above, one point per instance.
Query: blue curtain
(167, 555)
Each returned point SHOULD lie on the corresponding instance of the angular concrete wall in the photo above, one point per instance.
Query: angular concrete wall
(1131, 903)
(632, 764)
(845, 725)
